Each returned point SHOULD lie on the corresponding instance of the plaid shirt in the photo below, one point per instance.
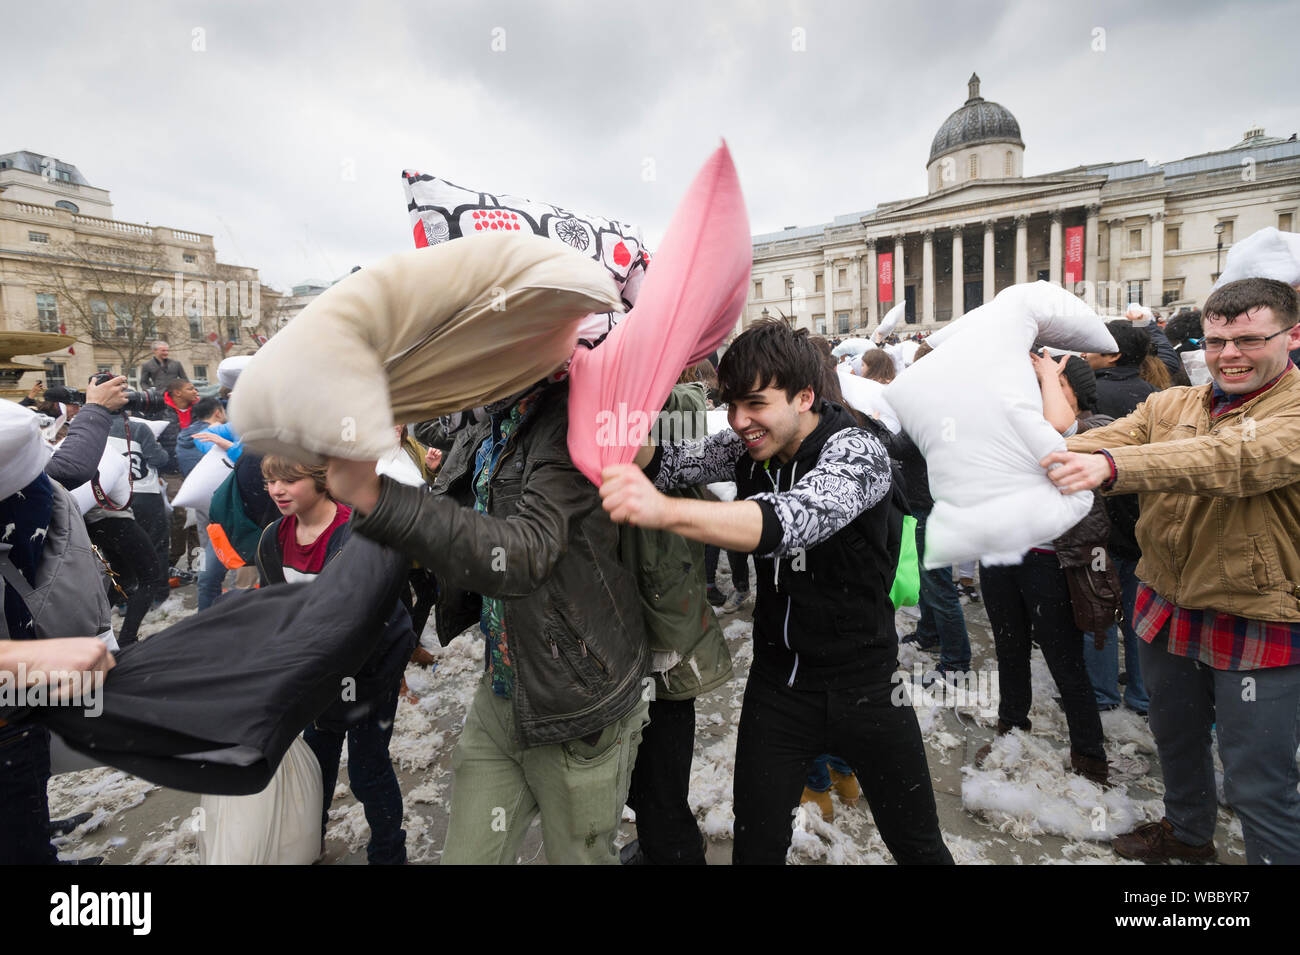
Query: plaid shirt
(1219, 640)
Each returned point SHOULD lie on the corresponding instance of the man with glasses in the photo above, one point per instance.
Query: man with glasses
(1217, 470)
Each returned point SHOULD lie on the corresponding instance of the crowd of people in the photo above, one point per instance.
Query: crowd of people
(596, 603)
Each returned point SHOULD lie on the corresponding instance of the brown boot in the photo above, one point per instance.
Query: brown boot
(846, 787)
(982, 753)
(422, 657)
(1091, 768)
(1155, 842)
(821, 800)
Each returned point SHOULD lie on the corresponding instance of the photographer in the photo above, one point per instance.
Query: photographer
(77, 459)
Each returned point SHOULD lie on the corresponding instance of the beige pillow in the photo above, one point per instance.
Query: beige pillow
(417, 335)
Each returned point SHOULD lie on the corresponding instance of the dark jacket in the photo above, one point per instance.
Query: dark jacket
(915, 473)
(1120, 389)
(381, 674)
(156, 374)
(823, 619)
(170, 434)
(1079, 545)
(547, 547)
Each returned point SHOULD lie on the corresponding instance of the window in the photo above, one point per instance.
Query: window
(758, 288)
(1009, 164)
(1227, 232)
(40, 237)
(1171, 238)
(819, 283)
(1286, 222)
(201, 372)
(841, 278)
(819, 324)
(124, 320)
(974, 167)
(99, 315)
(65, 204)
(1135, 291)
(1135, 240)
(47, 312)
(842, 323)
(190, 258)
(150, 323)
(196, 325)
(103, 369)
(1173, 291)
(56, 374)
(232, 330)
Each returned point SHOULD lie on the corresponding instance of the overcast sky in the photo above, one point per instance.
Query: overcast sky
(285, 135)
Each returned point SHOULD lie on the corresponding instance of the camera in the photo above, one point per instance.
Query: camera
(137, 402)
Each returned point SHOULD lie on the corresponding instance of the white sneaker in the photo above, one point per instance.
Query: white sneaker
(735, 601)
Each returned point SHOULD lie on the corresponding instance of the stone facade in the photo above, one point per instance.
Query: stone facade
(1149, 234)
(117, 285)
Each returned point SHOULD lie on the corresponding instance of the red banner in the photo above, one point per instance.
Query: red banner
(1073, 256)
(885, 275)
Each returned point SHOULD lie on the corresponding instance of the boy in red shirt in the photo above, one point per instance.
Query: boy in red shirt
(294, 549)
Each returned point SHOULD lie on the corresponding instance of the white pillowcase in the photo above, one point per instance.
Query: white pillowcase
(974, 409)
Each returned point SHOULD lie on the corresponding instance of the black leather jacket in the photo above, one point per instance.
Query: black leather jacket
(572, 610)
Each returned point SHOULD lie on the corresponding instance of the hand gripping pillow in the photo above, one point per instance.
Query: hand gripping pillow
(687, 305)
(890, 322)
(441, 211)
(852, 346)
(974, 409)
(418, 335)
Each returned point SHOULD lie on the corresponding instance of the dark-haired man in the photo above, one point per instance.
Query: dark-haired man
(815, 505)
(1217, 469)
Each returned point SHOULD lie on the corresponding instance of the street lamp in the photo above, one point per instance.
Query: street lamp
(1218, 253)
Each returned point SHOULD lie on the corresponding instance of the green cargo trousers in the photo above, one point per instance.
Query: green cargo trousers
(499, 786)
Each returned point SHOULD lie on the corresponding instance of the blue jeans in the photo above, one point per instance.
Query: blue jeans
(24, 810)
(1103, 664)
(370, 771)
(942, 619)
(819, 774)
(212, 576)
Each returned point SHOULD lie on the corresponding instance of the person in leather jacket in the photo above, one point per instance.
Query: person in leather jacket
(521, 547)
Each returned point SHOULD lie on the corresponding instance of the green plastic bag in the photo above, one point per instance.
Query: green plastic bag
(907, 577)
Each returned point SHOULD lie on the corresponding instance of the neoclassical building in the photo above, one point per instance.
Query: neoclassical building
(1114, 233)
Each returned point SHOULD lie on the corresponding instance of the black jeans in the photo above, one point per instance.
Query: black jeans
(152, 518)
(370, 771)
(661, 780)
(738, 561)
(783, 730)
(1031, 601)
(131, 555)
(24, 809)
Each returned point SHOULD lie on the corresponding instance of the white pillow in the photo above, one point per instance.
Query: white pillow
(974, 409)
(417, 335)
(890, 321)
(868, 396)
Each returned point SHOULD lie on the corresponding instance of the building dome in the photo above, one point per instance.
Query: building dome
(977, 121)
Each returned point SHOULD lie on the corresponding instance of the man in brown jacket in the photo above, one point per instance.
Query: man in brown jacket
(1217, 471)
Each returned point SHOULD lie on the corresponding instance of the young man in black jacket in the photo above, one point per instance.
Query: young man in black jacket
(815, 505)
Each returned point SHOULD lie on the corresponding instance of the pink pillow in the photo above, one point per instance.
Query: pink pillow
(687, 304)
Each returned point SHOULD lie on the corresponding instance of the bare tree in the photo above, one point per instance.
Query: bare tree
(107, 295)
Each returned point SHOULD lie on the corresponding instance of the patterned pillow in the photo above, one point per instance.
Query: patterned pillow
(441, 211)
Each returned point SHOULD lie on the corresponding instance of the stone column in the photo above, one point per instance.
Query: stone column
(828, 285)
(958, 274)
(1157, 293)
(1116, 294)
(873, 289)
(927, 276)
(1090, 240)
(900, 272)
(1022, 249)
(990, 262)
(1054, 251)
(855, 277)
